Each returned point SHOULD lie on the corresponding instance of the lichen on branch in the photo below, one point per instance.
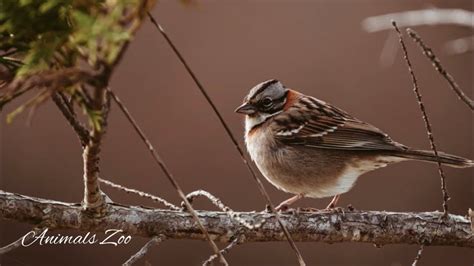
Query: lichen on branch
(376, 227)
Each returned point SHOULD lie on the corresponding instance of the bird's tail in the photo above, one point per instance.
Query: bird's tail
(447, 159)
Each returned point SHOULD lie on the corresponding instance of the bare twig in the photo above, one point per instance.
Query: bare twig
(141, 194)
(376, 227)
(428, 52)
(93, 198)
(425, 119)
(31, 114)
(68, 103)
(52, 79)
(9, 96)
(78, 127)
(17, 243)
(418, 256)
(167, 172)
(154, 241)
(219, 204)
(190, 196)
(412, 18)
(238, 240)
(39, 98)
(231, 136)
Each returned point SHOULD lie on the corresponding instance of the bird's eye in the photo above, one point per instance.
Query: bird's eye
(267, 102)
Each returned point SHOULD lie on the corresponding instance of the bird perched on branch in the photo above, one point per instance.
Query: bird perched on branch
(310, 148)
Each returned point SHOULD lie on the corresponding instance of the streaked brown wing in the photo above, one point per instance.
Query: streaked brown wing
(314, 123)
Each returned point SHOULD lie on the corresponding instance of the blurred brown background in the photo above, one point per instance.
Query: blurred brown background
(317, 47)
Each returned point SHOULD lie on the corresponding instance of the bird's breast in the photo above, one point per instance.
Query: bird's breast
(259, 143)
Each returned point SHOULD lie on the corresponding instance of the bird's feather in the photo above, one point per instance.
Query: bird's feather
(313, 123)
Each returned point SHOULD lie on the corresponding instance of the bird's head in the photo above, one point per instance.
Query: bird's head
(265, 100)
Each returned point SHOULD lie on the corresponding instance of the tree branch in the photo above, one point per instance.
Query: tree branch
(79, 128)
(418, 256)
(140, 193)
(93, 198)
(377, 227)
(154, 241)
(429, 130)
(238, 240)
(428, 52)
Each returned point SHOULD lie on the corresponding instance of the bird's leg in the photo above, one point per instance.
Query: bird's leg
(284, 205)
(333, 202)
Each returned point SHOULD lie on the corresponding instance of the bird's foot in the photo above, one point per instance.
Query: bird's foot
(330, 206)
(282, 208)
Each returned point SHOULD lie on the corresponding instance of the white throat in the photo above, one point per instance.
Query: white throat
(252, 121)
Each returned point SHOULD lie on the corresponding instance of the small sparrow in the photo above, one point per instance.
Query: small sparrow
(310, 148)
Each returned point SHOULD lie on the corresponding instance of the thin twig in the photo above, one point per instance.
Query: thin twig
(190, 196)
(425, 119)
(428, 52)
(39, 98)
(231, 136)
(418, 256)
(154, 241)
(167, 172)
(219, 204)
(141, 194)
(67, 102)
(237, 241)
(9, 96)
(52, 79)
(17, 243)
(31, 115)
(78, 127)
(9, 53)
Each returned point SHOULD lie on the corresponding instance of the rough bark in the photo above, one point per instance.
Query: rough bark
(93, 197)
(92, 194)
(377, 227)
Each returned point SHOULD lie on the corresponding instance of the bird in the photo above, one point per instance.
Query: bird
(310, 148)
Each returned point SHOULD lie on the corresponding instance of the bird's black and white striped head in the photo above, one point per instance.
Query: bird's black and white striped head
(266, 97)
(265, 100)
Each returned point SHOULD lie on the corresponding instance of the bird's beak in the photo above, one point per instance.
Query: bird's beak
(245, 108)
